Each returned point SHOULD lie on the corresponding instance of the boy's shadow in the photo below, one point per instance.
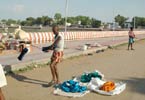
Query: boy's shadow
(25, 79)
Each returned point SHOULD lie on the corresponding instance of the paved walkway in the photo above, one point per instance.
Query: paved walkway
(72, 47)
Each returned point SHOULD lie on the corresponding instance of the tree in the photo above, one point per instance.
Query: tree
(71, 20)
(30, 21)
(85, 20)
(95, 23)
(23, 23)
(57, 18)
(11, 21)
(62, 21)
(38, 21)
(121, 20)
(46, 20)
(139, 21)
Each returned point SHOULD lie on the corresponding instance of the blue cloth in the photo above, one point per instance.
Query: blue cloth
(72, 86)
(85, 78)
(131, 40)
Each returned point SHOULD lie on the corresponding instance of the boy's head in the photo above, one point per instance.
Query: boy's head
(55, 29)
(131, 28)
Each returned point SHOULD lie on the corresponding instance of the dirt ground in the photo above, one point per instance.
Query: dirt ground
(116, 64)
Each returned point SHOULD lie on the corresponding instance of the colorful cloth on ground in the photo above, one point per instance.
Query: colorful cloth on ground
(95, 84)
(72, 86)
(87, 77)
(108, 86)
(57, 56)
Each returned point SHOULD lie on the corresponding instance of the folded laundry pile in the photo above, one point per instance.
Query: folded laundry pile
(106, 87)
(72, 86)
(89, 81)
(86, 77)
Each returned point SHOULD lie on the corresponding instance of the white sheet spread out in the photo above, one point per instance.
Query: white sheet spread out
(94, 86)
(3, 81)
(62, 93)
(96, 83)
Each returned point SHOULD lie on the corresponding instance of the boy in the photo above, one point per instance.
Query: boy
(57, 47)
(131, 38)
(3, 82)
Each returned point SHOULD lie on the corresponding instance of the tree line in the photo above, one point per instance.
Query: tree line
(84, 21)
(58, 19)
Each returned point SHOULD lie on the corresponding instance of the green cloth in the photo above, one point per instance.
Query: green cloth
(85, 78)
(131, 40)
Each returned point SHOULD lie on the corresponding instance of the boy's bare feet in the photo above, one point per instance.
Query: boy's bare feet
(58, 82)
(51, 83)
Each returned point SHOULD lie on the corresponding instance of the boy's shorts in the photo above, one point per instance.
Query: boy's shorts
(57, 56)
(3, 81)
(131, 40)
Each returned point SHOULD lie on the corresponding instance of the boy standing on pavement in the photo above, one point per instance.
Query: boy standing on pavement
(57, 47)
(131, 38)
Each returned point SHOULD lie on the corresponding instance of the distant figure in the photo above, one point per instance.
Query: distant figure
(57, 47)
(131, 38)
(3, 82)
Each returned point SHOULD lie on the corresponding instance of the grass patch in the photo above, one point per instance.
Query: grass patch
(74, 57)
(123, 44)
(29, 67)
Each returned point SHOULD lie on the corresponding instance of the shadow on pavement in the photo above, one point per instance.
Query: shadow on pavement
(135, 84)
(22, 78)
(25, 79)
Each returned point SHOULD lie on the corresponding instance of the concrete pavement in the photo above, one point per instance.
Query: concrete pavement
(72, 50)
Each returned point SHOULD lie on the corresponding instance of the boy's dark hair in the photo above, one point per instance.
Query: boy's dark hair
(55, 26)
(131, 28)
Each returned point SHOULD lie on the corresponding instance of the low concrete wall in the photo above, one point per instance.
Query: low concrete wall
(44, 37)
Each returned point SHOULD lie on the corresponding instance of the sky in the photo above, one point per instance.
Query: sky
(104, 10)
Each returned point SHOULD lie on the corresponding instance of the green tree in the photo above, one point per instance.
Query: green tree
(95, 23)
(11, 21)
(85, 20)
(139, 21)
(62, 21)
(23, 23)
(121, 20)
(4, 20)
(46, 20)
(30, 21)
(72, 20)
(38, 21)
(57, 18)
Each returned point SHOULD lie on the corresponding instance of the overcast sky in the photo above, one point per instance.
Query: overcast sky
(104, 10)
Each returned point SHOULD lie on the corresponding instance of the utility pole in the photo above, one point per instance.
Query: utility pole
(66, 10)
(134, 22)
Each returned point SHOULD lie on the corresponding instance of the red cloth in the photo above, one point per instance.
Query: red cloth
(57, 56)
